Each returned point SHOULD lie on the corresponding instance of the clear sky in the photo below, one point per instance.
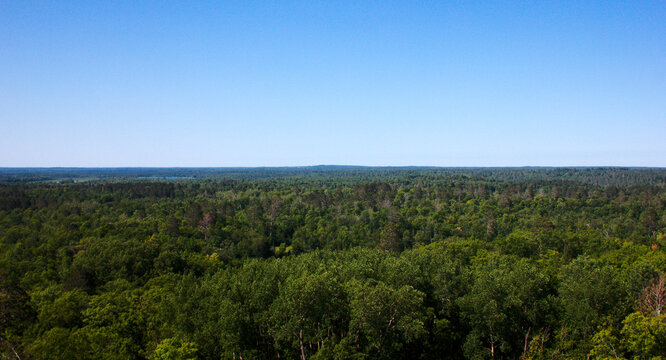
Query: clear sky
(281, 83)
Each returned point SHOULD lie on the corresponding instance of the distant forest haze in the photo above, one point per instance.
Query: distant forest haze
(333, 263)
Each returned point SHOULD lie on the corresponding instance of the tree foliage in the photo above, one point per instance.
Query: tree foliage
(333, 263)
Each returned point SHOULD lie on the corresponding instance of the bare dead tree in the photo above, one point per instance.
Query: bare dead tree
(653, 296)
(273, 213)
(205, 224)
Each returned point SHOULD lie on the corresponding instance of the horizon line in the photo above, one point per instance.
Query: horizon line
(336, 165)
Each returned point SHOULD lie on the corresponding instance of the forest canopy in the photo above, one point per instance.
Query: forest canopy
(333, 263)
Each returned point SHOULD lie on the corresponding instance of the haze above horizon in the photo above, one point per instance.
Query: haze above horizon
(226, 84)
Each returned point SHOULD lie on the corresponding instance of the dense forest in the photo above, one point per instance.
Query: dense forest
(333, 263)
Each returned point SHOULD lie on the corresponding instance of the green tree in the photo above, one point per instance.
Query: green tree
(644, 337)
(510, 300)
(589, 292)
(308, 311)
(383, 318)
(173, 349)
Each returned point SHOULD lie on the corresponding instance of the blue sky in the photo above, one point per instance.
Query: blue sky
(281, 83)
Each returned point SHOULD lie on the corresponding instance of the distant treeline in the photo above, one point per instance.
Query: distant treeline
(601, 176)
(334, 263)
